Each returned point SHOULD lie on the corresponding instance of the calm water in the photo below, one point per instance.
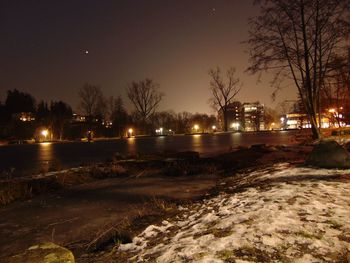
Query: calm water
(34, 158)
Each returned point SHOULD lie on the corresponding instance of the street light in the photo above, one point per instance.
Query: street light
(130, 131)
(45, 133)
(196, 127)
(235, 125)
(273, 126)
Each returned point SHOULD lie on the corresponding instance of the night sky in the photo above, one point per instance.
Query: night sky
(50, 48)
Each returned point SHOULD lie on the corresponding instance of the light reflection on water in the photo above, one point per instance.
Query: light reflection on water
(45, 151)
(131, 145)
(28, 158)
(46, 155)
(196, 141)
(160, 142)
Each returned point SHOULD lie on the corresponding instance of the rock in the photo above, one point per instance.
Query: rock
(347, 146)
(329, 154)
(188, 155)
(44, 253)
(263, 148)
(258, 146)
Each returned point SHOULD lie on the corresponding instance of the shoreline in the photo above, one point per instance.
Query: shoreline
(133, 196)
(162, 184)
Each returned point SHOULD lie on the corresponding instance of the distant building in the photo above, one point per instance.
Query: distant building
(301, 121)
(234, 116)
(253, 116)
(78, 118)
(23, 116)
(246, 116)
(294, 121)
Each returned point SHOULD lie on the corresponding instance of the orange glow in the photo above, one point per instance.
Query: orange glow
(44, 133)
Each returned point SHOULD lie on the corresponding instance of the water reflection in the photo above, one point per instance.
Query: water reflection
(196, 142)
(46, 156)
(236, 139)
(131, 145)
(45, 151)
(160, 143)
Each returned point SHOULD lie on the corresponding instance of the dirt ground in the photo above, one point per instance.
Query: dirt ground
(73, 218)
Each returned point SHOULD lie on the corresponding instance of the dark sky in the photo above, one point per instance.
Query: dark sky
(175, 42)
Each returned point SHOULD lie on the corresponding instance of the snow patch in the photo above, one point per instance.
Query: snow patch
(300, 217)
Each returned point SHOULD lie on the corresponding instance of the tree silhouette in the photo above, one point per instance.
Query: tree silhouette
(18, 101)
(145, 96)
(223, 93)
(91, 101)
(61, 113)
(297, 39)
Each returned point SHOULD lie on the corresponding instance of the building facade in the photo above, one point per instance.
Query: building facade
(253, 116)
(234, 116)
(243, 117)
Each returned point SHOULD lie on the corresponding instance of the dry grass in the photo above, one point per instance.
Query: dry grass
(23, 188)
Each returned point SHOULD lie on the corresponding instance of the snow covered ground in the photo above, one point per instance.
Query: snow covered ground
(279, 214)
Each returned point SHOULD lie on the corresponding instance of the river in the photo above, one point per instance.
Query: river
(36, 158)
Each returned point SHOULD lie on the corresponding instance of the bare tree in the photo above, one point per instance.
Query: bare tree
(270, 118)
(223, 93)
(165, 119)
(145, 96)
(183, 122)
(119, 115)
(336, 91)
(60, 115)
(91, 100)
(297, 39)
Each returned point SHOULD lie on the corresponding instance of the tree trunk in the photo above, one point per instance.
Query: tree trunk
(225, 120)
(316, 133)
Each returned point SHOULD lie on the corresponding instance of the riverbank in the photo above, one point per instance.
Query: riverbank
(93, 217)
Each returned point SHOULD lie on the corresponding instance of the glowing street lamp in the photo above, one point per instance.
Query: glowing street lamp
(45, 133)
(213, 128)
(235, 125)
(160, 131)
(272, 126)
(130, 132)
(196, 127)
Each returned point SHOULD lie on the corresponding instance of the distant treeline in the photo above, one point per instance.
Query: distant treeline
(22, 117)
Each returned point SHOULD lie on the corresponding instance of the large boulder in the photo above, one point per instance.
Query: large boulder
(329, 154)
(44, 253)
(347, 145)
